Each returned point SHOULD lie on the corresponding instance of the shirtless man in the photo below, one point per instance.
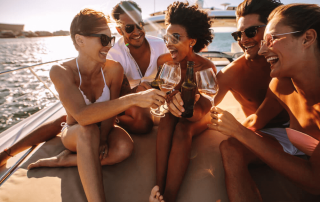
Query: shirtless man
(137, 54)
(291, 45)
(250, 88)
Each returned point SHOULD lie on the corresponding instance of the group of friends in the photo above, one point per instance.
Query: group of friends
(106, 93)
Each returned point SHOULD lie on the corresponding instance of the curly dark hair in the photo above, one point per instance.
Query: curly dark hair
(123, 7)
(261, 7)
(197, 23)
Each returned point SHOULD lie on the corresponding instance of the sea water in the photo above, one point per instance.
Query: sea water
(22, 94)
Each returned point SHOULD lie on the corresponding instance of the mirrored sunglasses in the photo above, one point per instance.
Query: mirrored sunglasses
(250, 32)
(129, 28)
(173, 38)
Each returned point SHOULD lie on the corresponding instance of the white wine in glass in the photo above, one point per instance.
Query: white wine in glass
(170, 76)
(207, 84)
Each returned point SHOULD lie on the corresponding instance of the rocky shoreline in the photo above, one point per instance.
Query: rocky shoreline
(24, 34)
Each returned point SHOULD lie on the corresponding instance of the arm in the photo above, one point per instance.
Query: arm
(269, 108)
(304, 173)
(73, 102)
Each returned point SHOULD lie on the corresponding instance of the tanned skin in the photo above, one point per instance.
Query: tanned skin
(293, 89)
(248, 80)
(175, 134)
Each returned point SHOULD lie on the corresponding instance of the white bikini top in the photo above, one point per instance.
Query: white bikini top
(105, 96)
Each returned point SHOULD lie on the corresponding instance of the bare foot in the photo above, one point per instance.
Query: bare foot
(155, 195)
(64, 159)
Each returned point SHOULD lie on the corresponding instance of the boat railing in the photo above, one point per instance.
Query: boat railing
(27, 152)
(34, 73)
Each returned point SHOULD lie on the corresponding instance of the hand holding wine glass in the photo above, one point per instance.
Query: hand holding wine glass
(207, 84)
(169, 77)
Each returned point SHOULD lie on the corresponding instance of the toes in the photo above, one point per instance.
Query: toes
(31, 165)
(157, 195)
(154, 194)
(154, 191)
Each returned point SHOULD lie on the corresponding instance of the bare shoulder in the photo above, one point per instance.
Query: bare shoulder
(206, 63)
(163, 58)
(113, 67)
(235, 66)
(231, 72)
(62, 72)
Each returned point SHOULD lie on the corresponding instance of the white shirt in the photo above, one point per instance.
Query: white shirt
(121, 53)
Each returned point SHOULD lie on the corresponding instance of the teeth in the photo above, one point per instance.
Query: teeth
(272, 58)
(104, 53)
(249, 47)
(137, 37)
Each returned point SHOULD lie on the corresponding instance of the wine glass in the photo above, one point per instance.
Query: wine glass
(207, 84)
(169, 78)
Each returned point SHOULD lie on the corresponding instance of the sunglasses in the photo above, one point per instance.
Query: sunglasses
(271, 37)
(129, 28)
(105, 39)
(173, 38)
(250, 32)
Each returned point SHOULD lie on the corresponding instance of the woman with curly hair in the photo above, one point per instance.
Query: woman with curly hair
(187, 33)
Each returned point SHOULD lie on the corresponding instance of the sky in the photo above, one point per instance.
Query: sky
(53, 15)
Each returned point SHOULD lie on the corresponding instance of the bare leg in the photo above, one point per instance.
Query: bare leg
(85, 141)
(136, 120)
(236, 158)
(164, 141)
(43, 133)
(180, 155)
(120, 147)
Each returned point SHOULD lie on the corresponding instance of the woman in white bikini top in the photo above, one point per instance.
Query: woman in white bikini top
(79, 84)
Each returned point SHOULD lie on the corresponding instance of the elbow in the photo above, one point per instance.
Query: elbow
(250, 122)
(81, 120)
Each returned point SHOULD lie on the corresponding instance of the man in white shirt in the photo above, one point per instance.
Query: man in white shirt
(137, 54)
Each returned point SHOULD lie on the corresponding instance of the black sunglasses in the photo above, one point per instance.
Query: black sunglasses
(250, 32)
(129, 28)
(105, 39)
(173, 38)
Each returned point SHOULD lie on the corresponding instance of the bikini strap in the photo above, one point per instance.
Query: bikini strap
(78, 71)
(103, 77)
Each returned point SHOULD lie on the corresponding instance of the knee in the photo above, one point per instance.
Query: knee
(231, 150)
(228, 146)
(123, 149)
(89, 135)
